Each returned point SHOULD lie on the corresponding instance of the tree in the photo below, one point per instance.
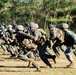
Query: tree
(40, 11)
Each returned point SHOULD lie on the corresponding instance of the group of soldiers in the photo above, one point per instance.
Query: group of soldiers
(27, 42)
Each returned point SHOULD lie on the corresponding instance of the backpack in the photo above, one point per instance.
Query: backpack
(42, 31)
(60, 35)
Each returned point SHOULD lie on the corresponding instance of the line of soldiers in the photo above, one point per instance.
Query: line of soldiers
(67, 38)
(27, 42)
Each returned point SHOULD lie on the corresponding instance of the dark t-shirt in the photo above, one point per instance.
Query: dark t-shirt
(20, 37)
(42, 47)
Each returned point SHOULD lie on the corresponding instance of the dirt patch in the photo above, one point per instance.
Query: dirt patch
(11, 66)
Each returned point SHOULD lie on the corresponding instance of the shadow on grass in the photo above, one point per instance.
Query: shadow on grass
(25, 68)
(16, 68)
(15, 71)
(1, 66)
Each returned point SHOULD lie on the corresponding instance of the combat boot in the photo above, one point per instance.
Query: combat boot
(54, 58)
(71, 64)
(38, 69)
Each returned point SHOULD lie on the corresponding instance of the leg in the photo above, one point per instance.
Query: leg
(74, 49)
(4, 48)
(55, 49)
(36, 66)
(30, 59)
(53, 57)
(74, 52)
(45, 60)
(31, 56)
(11, 50)
(69, 56)
(50, 55)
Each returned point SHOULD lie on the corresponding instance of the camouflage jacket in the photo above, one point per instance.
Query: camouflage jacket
(56, 34)
(69, 38)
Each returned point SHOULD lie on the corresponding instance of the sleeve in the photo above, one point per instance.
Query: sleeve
(27, 35)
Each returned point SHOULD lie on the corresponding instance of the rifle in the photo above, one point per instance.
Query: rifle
(5, 36)
(3, 24)
(28, 27)
(14, 23)
(27, 35)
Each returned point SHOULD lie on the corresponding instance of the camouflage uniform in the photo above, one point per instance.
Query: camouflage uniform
(11, 44)
(56, 37)
(42, 47)
(4, 38)
(69, 41)
(8, 38)
(25, 53)
(36, 34)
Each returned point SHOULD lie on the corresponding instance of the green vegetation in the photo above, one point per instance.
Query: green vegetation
(40, 11)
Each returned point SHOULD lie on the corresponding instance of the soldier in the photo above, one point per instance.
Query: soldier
(3, 42)
(25, 53)
(56, 37)
(45, 52)
(36, 33)
(69, 41)
(11, 41)
(10, 31)
(7, 37)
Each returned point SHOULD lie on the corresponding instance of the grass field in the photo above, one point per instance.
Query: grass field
(14, 66)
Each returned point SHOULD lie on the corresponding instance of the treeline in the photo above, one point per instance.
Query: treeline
(40, 11)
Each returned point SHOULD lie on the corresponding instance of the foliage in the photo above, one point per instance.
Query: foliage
(40, 11)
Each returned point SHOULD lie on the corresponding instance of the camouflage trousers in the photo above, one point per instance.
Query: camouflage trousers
(29, 56)
(68, 53)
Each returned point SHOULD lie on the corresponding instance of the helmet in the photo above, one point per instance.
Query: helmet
(51, 26)
(34, 25)
(20, 27)
(64, 25)
(10, 27)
